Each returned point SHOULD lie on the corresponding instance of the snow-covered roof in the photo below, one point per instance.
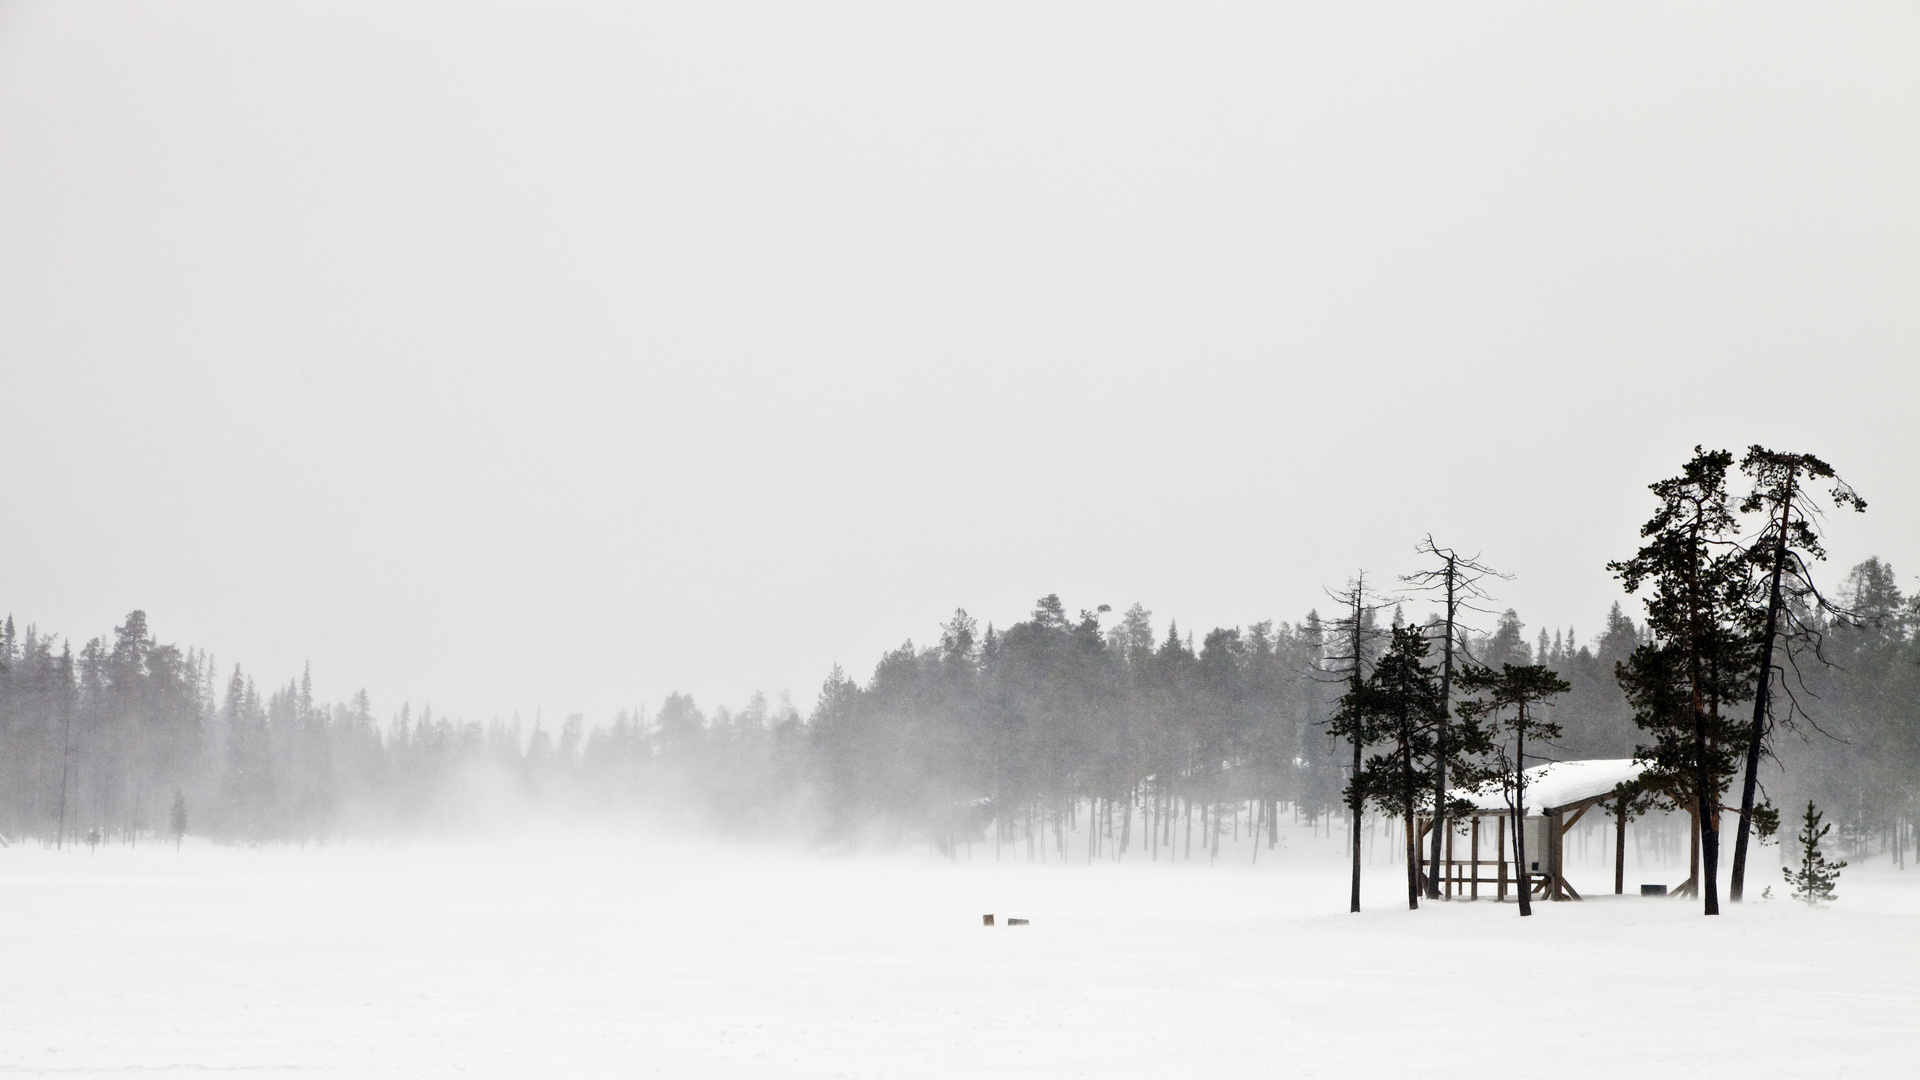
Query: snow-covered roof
(1561, 782)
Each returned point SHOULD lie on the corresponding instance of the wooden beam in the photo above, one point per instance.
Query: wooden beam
(1568, 824)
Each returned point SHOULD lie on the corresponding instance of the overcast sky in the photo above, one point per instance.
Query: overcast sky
(560, 356)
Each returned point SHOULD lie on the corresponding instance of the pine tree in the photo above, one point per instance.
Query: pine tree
(1814, 881)
(1681, 682)
(1352, 632)
(1399, 706)
(1525, 690)
(1780, 554)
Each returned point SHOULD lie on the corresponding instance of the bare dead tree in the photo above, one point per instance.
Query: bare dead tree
(1353, 632)
(1456, 583)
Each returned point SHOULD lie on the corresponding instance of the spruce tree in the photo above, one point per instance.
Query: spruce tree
(1813, 882)
(178, 819)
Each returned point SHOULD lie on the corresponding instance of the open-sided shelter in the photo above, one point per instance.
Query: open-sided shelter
(1556, 795)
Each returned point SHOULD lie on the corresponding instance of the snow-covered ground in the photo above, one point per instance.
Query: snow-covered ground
(622, 958)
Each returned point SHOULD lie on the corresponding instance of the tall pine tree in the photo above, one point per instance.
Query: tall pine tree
(1780, 554)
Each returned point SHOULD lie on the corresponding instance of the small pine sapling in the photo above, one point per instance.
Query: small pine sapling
(1813, 882)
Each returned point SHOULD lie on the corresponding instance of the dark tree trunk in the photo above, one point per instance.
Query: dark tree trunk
(1409, 797)
(1520, 813)
(1353, 815)
(66, 768)
(1440, 755)
(1709, 827)
(1357, 802)
(1693, 849)
(1413, 861)
(1703, 769)
(1762, 694)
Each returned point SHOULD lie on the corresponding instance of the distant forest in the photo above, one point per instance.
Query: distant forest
(1009, 736)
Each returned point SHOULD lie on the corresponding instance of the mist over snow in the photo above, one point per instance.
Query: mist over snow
(610, 958)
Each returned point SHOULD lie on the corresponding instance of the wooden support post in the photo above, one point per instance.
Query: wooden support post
(1504, 821)
(1620, 846)
(1554, 835)
(1693, 856)
(1451, 872)
(1423, 826)
(1473, 853)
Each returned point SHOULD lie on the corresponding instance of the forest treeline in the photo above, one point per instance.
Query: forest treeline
(1015, 735)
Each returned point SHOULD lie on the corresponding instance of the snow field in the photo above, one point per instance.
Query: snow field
(625, 958)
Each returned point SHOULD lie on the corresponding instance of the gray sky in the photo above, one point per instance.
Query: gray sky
(563, 356)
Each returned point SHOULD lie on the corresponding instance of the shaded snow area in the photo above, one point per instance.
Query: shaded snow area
(621, 958)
